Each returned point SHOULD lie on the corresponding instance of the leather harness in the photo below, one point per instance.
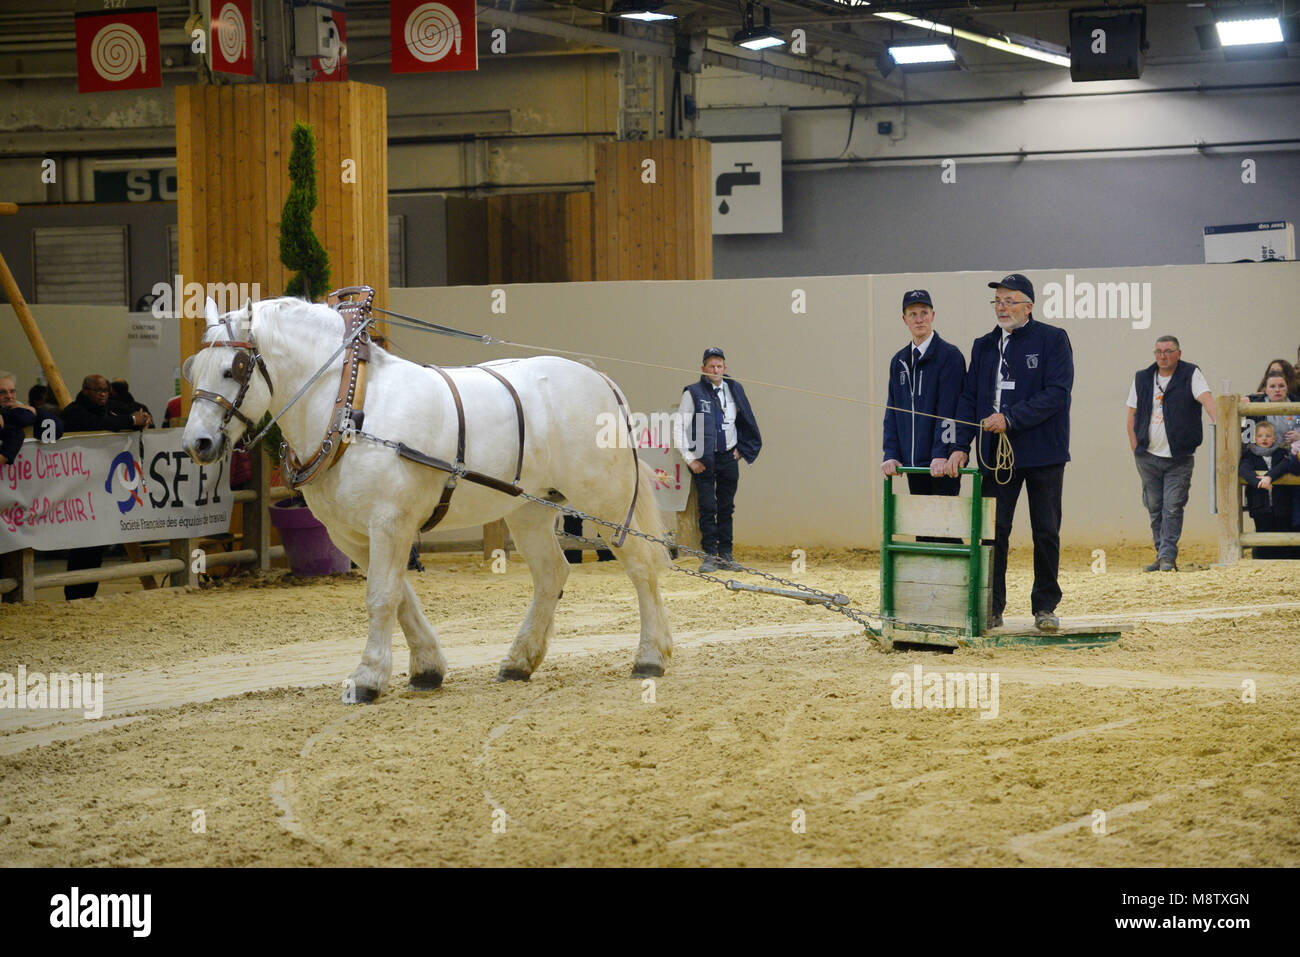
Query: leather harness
(347, 415)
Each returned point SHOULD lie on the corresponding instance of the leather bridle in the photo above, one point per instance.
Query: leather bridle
(247, 357)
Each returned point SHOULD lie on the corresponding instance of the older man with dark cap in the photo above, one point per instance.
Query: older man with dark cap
(713, 442)
(925, 381)
(1019, 383)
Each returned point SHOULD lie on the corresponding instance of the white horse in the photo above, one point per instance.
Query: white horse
(374, 501)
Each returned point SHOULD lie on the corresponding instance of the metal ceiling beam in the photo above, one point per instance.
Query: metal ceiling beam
(665, 49)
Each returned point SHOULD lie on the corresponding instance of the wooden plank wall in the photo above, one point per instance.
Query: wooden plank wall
(232, 154)
(656, 230)
(539, 237)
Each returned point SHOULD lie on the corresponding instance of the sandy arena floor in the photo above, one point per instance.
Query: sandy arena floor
(226, 701)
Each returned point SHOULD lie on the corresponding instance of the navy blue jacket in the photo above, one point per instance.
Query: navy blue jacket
(933, 388)
(748, 439)
(22, 419)
(1037, 410)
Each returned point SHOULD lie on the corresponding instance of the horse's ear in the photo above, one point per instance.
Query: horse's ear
(248, 308)
(210, 312)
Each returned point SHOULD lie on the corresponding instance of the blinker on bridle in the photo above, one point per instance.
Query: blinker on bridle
(246, 358)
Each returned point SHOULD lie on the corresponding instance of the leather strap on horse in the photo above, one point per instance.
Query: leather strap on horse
(618, 539)
(469, 475)
(444, 503)
(519, 414)
(346, 416)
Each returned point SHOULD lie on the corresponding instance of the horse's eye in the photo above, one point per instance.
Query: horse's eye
(227, 375)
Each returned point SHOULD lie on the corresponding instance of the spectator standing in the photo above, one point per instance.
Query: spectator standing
(1164, 431)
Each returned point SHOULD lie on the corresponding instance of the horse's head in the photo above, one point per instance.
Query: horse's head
(232, 389)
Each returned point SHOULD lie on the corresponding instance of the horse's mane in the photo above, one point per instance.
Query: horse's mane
(274, 333)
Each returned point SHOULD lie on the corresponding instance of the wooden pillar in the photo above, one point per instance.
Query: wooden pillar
(232, 160)
(688, 521)
(19, 565)
(183, 549)
(257, 518)
(652, 210)
(494, 537)
(540, 237)
(1227, 487)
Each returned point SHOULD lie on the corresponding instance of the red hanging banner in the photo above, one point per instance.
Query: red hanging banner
(433, 37)
(232, 36)
(334, 68)
(118, 50)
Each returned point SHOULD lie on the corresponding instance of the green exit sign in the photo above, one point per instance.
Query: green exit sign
(135, 185)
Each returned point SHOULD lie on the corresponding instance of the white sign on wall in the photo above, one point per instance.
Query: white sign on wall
(653, 436)
(1250, 242)
(746, 184)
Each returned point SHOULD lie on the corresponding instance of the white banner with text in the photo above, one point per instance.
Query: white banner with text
(98, 489)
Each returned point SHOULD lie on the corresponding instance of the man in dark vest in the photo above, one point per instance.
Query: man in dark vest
(1164, 429)
(713, 442)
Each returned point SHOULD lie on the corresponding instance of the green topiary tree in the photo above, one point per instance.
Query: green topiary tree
(300, 250)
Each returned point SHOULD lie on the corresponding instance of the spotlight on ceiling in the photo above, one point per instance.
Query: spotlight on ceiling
(923, 57)
(640, 10)
(757, 38)
(1245, 26)
(917, 54)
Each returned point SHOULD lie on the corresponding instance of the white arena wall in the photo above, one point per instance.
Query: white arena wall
(817, 481)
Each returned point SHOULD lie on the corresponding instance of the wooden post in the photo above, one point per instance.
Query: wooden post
(653, 228)
(688, 521)
(494, 537)
(1227, 496)
(257, 518)
(20, 566)
(28, 322)
(182, 548)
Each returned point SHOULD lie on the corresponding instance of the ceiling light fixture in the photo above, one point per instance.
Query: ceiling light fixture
(1243, 26)
(757, 38)
(647, 10)
(996, 43)
(913, 54)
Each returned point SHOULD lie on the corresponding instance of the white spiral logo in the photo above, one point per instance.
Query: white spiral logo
(431, 30)
(117, 51)
(231, 35)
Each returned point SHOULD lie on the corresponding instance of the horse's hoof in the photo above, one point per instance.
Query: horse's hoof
(361, 695)
(426, 681)
(513, 674)
(644, 670)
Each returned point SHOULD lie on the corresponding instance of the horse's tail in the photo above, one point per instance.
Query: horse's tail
(647, 518)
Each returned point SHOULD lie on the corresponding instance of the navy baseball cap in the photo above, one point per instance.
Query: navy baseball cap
(915, 296)
(710, 353)
(1017, 282)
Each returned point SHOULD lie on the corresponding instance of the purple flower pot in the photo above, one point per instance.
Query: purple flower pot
(307, 544)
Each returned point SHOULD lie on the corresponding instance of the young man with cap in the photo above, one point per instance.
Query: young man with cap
(1164, 430)
(925, 381)
(1019, 383)
(713, 442)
